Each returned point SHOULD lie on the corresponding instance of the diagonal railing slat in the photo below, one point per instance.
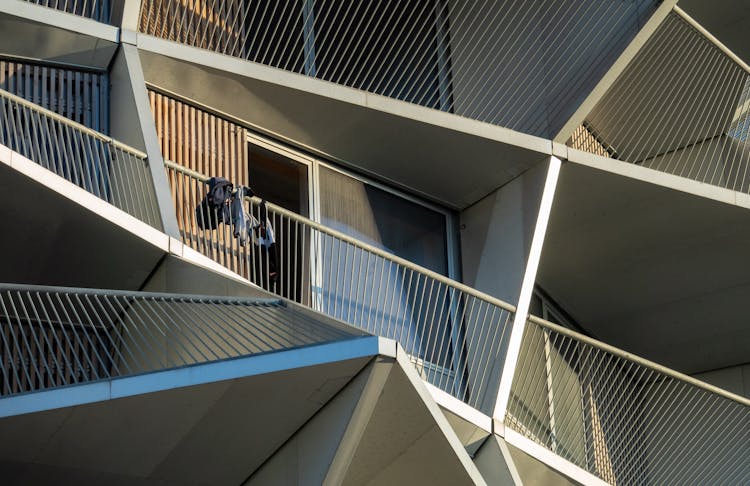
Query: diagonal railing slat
(54, 336)
(99, 10)
(109, 169)
(622, 418)
(520, 65)
(456, 335)
(682, 107)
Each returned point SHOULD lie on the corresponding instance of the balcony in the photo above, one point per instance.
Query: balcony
(461, 59)
(621, 418)
(455, 335)
(112, 171)
(54, 337)
(617, 417)
(695, 126)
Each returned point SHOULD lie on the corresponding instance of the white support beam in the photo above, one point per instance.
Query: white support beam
(132, 122)
(131, 11)
(527, 288)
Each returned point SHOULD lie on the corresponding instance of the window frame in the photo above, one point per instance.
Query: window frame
(313, 165)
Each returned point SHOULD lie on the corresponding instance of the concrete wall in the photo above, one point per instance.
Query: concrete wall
(132, 123)
(306, 457)
(125, 125)
(175, 275)
(496, 235)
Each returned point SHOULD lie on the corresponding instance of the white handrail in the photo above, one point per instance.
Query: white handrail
(73, 124)
(639, 361)
(365, 246)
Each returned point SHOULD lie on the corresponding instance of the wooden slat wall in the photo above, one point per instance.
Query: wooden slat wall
(584, 140)
(78, 95)
(207, 144)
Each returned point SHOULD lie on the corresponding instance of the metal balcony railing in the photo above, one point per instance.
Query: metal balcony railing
(694, 126)
(102, 166)
(52, 337)
(513, 64)
(98, 10)
(624, 419)
(455, 335)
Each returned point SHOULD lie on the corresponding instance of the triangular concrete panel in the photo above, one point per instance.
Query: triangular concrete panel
(471, 435)
(534, 472)
(308, 455)
(503, 464)
(494, 462)
(74, 238)
(408, 441)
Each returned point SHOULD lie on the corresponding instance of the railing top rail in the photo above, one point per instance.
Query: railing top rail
(638, 360)
(711, 38)
(365, 246)
(72, 124)
(210, 299)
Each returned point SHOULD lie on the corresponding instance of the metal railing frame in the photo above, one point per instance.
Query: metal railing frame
(73, 124)
(419, 54)
(79, 7)
(723, 165)
(58, 336)
(639, 361)
(361, 244)
(630, 414)
(111, 170)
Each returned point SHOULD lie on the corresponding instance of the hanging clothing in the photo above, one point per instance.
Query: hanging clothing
(214, 208)
(267, 243)
(242, 222)
(265, 230)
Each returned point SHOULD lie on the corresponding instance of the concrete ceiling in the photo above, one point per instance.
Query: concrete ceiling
(211, 434)
(52, 240)
(389, 139)
(657, 272)
(727, 20)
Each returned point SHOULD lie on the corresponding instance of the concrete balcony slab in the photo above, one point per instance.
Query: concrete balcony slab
(653, 265)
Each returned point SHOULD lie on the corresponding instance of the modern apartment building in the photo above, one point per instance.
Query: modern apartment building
(486, 242)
